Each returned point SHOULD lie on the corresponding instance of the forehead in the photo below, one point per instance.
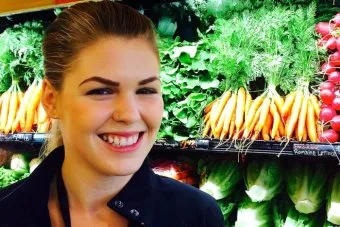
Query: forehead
(116, 57)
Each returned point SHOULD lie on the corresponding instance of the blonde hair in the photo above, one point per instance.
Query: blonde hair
(76, 28)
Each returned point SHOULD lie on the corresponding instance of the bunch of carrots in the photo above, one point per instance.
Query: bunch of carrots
(235, 115)
(23, 112)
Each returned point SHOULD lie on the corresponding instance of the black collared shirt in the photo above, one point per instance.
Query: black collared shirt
(147, 200)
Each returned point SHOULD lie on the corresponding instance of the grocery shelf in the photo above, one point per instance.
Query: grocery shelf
(203, 145)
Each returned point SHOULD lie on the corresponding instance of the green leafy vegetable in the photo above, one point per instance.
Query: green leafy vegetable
(333, 205)
(254, 214)
(306, 186)
(8, 176)
(263, 179)
(219, 178)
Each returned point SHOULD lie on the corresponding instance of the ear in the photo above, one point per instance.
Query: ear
(49, 99)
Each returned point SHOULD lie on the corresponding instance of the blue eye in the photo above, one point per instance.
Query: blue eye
(146, 91)
(100, 91)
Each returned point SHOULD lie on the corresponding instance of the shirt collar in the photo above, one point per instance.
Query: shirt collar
(134, 201)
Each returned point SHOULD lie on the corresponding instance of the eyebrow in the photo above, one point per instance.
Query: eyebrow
(114, 83)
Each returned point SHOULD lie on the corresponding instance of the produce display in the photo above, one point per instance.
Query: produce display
(21, 67)
(274, 193)
(329, 90)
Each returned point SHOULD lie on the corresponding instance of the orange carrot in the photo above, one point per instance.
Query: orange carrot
(209, 106)
(305, 135)
(232, 125)
(252, 111)
(206, 117)
(13, 105)
(311, 125)
(282, 130)
(219, 109)
(290, 98)
(21, 115)
(302, 118)
(33, 103)
(264, 114)
(4, 109)
(240, 107)
(206, 128)
(248, 130)
(293, 118)
(267, 126)
(231, 106)
(316, 106)
(213, 116)
(276, 119)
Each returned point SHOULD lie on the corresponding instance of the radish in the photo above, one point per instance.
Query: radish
(323, 40)
(331, 44)
(324, 105)
(336, 103)
(327, 96)
(336, 20)
(322, 28)
(335, 58)
(329, 136)
(335, 123)
(327, 68)
(327, 114)
(334, 77)
(327, 85)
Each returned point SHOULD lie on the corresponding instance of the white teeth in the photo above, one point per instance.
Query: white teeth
(130, 141)
(116, 140)
(121, 141)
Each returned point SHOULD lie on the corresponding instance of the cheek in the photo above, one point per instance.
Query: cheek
(152, 111)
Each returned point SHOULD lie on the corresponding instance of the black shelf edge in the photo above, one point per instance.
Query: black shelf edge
(211, 146)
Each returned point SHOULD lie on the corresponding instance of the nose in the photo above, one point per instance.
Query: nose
(126, 109)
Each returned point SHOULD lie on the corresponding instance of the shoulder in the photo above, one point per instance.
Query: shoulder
(189, 200)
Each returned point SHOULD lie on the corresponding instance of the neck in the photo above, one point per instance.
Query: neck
(87, 189)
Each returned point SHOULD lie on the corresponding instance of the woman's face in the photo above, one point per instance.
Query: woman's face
(110, 107)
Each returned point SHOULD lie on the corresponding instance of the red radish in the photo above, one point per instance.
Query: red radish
(323, 40)
(327, 96)
(329, 136)
(323, 105)
(327, 68)
(335, 58)
(327, 85)
(322, 28)
(335, 123)
(331, 44)
(327, 114)
(334, 77)
(336, 20)
(336, 103)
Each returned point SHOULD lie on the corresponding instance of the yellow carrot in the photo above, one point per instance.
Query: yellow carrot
(232, 125)
(248, 130)
(290, 98)
(206, 117)
(305, 134)
(252, 111)
(209, 106)
(33, 103)
(290, 126)
(213, 116)
(240, 107)
(224, 99)
(311, 124)
(13, 105)
(21, 115)
(316, 106)
(248, 104)
(302, 118)
(4, 110)
(279, 102)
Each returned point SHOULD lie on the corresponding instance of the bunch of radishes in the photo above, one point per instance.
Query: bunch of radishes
(330, 89)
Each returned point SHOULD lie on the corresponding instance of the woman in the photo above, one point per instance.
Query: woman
(103, 91)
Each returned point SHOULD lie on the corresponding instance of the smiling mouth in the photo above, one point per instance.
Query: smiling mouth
(121, 141)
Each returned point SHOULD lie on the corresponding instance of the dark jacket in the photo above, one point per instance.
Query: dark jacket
(148, 199)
